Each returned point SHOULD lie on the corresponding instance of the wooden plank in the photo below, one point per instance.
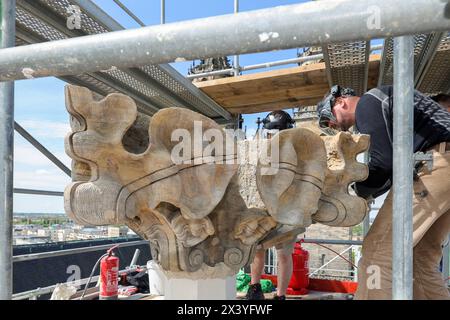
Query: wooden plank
(268, 96)
(278, 105)
(274, 74)
(294, 79)
(277, 89)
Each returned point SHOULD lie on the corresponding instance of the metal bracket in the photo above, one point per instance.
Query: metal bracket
(424, 157)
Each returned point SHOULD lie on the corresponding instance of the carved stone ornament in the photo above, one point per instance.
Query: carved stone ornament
(184, 196)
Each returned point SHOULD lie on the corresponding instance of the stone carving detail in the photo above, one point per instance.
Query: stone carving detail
(253, 227)
(291, 196)
(191, 232)
(336, 206)
(192, 212)
(313, 179)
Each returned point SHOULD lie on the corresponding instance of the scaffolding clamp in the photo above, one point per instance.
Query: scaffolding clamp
(421, 159)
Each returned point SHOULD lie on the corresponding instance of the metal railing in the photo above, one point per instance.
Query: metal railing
(272, 261)
(39, 192)
(270, 64)
(270, 266)
(332, 241)
(43, 255)
(349, 275)
(322, 267)
(33, 294)
(36, 293)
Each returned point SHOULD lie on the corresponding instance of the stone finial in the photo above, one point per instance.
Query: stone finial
(182, 193)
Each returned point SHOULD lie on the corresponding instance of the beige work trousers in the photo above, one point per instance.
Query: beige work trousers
(431, 228)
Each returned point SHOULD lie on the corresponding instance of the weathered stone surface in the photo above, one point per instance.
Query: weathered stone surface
(336, 206)
(197, 223)
(247, 150)
(194, 212)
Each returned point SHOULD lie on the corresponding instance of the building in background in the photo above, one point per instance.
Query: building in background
(120, 231)
(209, 65)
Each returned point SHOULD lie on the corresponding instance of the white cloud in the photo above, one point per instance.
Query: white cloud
(48, 179)
(39, 204)
(30, 156)
(33, 170)
(45, 128)
(37, 172)
(41, 172)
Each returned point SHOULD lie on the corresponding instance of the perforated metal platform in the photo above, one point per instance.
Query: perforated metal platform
(431, 62)
(436, 78)
(347, 64)
(153, 87)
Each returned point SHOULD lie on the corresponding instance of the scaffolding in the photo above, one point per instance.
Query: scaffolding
(106, 59)
(153, 87)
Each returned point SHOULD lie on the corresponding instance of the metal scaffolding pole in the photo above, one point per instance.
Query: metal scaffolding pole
(58, 253)
(445, 262)
(334, 241)
(163, 11)
(39, 192)
(366, 223)
(236, 57)
(130, 13)
(403, 161)
(211, 73)
(282, 62)
(281, 27)
(7, 39)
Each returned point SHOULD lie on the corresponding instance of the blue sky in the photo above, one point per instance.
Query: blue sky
(40, 109)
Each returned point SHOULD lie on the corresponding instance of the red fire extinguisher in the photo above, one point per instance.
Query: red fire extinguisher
(109, 276)
(300, 274)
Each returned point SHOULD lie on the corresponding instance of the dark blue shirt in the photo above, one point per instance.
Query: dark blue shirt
(431, 126)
